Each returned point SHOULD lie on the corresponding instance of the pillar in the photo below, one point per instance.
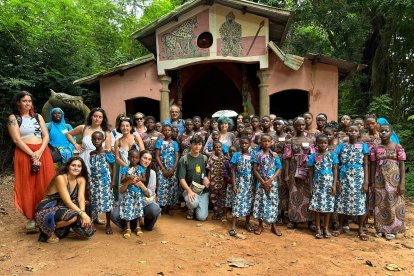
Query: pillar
(264, 100)
(165, 97)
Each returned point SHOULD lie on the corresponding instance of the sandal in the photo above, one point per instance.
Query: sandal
(390, 237)
(249, 228)
(318, 234)
(363, 237)
(127, 234)
(346, 229)
(53, 239)
(327, 235)
(336, 233)
(232, 232)
(292, 225)
(138, 231)
(276, 231)
(108, 230)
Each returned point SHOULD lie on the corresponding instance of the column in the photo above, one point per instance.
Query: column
(264, 100)
(165, 97)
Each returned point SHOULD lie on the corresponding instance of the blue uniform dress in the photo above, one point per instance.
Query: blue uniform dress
(266, 203)
(132, 201)
(101, 194)
(350, 201)
(167, 187)
(322, 200)
(242, 201)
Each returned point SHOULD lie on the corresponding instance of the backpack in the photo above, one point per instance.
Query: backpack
(19, 118)
(185, 158)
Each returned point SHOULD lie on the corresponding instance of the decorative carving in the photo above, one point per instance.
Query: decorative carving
(179, 43)
(231, 32)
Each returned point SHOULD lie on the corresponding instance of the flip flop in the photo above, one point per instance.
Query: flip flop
(53, 239)
(108, 230)
(127, 234)
(277, 233)
(138, 231)
(389, 237)
(363, 237)
(327, 235)
(232, 232)
(249, 228)
(318, 234)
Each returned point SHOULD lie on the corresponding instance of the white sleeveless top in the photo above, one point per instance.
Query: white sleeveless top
(30, 128)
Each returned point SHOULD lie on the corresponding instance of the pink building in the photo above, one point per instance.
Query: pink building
(223, 54)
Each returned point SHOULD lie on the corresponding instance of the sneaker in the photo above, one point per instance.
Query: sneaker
(31, 226)
(190, 214)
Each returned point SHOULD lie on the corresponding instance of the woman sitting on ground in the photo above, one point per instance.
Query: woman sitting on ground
(64, 206)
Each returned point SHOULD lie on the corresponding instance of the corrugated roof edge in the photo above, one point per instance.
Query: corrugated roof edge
(88, 80)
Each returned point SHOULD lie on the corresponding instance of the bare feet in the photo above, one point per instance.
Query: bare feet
(275, 230)
(259, 230)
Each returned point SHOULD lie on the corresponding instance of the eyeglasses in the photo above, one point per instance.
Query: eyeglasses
(139, 118)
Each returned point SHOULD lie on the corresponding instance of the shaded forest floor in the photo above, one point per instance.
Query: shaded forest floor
(182, 247)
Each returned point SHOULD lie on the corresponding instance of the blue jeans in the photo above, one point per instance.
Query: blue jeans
(151, 214)
(199, 205)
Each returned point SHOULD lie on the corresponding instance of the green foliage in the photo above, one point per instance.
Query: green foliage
(381, 105)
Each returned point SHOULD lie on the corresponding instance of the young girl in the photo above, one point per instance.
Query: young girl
(266, 168)
(345, 123)
(308, 122)
(255, 123)
(389, 178)
(229, 189)
(101, 184)
(332, 141)
(219, 173)
(132, 199)
(198, 129)
(184, 139)
(242, 185)
(297, 152)
(321, 120)
(353, 180)
(166, 154)
(323, 175)
(208, 149)
(150, 137)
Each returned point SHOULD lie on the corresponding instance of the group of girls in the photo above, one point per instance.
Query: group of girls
(266, 168)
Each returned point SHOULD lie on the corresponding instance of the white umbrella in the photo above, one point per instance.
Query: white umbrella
(225, 113)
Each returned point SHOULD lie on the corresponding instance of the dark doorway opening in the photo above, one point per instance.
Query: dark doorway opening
(144, 105)
(289, 104)
(212, 91)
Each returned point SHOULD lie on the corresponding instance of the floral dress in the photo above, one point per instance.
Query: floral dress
(185, 144)
(390, 207)
(372, 142)
(243, 200)
(220, 171)
(283, 189)
(149, 140)
(265, 205)
(322, 200)
(101, 194)
(168, 193)
(350, 201)
(132, 201)
(299, 188)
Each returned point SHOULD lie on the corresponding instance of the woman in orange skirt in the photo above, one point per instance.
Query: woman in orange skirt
(33, 164)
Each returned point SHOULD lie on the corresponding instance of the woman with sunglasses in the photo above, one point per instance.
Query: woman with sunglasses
(139, 124)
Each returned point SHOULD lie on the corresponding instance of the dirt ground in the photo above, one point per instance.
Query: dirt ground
(181, 247)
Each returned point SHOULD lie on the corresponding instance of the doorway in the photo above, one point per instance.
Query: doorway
(144, 105)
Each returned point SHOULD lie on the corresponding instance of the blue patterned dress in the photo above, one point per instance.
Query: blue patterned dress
(101, 194)
(132, 201)
(266, 203)
(350, 201)
(322, 200)
(167, 192)
(243, 200)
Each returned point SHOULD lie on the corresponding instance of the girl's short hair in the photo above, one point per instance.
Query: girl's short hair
(321, 136)
(124, 119)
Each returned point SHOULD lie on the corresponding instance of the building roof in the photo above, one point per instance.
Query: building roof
(279, 19)
(345, 68)
(89, 80)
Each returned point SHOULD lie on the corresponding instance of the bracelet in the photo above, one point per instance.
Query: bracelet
(80, 212)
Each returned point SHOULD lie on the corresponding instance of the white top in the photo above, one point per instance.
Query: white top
(30, 128)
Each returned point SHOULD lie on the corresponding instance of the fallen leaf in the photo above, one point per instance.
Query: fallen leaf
(369, 263)
(240, 236)
(217, 264)
(199, 224)
(294, 261)
(30, 268)
(180, 266)
(240, 262)
(408, 245)
(393, 267)
(164, 242)
(142, 262)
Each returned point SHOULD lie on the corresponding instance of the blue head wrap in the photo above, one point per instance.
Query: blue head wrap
(394, 137)
(62, 122)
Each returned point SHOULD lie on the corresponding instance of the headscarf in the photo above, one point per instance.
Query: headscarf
(57, 138)
(394, 137)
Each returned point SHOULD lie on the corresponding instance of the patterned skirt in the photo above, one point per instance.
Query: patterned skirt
(266, 204)
(132, 205)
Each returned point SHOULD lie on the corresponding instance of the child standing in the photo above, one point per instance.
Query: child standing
(101, 183)
(266, 168)
(229, 189)
(242, 185)
(185, 137)
(208, 148)
(166, 154)
(132, 199)
(389, 179)
(219, 175)
(353, 180)
(323, 175)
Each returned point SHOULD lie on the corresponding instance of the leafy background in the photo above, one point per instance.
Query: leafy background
(50, 43)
